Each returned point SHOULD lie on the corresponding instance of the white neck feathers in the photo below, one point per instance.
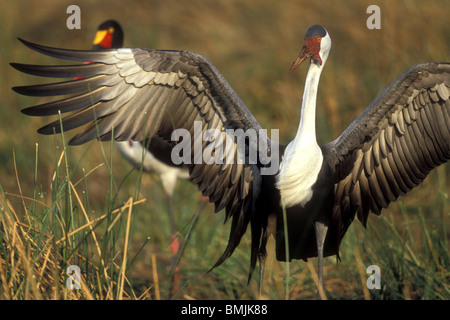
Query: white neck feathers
(303, 157)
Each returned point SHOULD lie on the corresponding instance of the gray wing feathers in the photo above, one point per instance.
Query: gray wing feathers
(137, 93)
(394, 144)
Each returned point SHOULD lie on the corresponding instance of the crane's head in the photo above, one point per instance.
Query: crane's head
(316, 48)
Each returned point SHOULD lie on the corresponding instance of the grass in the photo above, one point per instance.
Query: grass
(84, 205)
(44, 238)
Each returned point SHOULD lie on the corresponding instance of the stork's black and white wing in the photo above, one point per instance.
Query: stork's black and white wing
(136, 93)
(392, 146)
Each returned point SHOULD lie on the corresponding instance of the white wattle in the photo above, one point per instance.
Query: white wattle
(303, 158)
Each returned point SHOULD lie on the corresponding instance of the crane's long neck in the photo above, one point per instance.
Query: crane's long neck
(303, 157)
(306, 133)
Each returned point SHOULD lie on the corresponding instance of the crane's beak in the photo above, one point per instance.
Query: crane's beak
(310, 50)
(301, 57)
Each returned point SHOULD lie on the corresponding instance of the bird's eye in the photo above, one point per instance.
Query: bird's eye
(111, 30)
(318, 39)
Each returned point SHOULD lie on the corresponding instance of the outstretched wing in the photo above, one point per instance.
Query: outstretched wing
(392, 146)
(137, 93)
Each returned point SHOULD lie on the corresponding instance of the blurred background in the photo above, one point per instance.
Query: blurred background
(253, 44)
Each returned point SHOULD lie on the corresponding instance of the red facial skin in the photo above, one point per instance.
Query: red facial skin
(310, 49)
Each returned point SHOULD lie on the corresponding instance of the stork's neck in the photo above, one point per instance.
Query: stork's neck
(306, 133)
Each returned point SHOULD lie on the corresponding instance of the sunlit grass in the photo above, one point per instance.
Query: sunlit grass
(41, 237)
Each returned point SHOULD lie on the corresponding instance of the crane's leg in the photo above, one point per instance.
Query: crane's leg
(262, 255)
(169, 180)
(203, 204)
(174, 246)
(321, 232)
(262, 262)
(173, 227)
